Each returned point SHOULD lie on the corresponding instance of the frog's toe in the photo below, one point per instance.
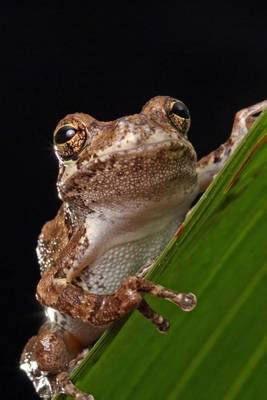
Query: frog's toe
(65, 386)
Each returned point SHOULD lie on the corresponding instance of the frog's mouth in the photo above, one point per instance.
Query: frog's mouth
(144, 149)
(179, 147)
(89, 163)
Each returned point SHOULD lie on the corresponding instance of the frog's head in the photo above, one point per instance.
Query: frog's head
(139, 156)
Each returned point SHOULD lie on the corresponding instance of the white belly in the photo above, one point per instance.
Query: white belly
(105, 275)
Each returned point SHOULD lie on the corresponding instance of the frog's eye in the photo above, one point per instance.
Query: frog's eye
(69, 142)
(179, 115)
(64, 134)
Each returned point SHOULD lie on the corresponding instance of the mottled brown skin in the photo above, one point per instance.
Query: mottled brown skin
(121, 182)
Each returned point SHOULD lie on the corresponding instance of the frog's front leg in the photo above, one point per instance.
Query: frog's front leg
(46, 360)
(99, 309)
(210, 165)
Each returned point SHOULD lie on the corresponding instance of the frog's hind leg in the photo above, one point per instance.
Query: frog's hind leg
(46, 358)
(65, 386)
(210, 165)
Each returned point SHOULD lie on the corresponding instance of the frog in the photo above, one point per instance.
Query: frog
(125, 187)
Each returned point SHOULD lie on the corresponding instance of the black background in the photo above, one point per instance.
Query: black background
(107, 60)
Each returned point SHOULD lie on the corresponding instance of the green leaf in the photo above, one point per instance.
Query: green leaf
(219, 351)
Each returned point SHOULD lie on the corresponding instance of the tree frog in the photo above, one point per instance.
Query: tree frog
(125, 186)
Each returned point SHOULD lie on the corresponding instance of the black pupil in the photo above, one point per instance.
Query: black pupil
(180, 109)
(64, 134)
